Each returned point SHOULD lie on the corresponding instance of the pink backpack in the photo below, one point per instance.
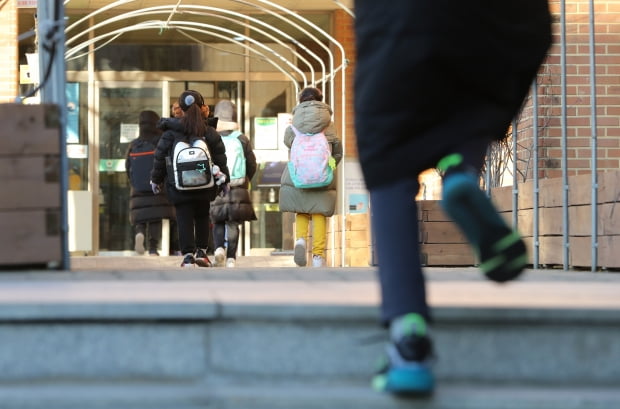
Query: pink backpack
(309, 164)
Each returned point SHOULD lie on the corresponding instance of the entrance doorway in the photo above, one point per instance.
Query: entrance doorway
(117, 108)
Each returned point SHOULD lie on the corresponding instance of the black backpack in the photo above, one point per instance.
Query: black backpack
(141, 158)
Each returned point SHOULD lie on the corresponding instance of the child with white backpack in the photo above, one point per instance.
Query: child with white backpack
(311, 195)
(191, 159)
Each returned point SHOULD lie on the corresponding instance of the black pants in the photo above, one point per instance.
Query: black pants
(227, 232)
(395, 226)
(174, 237)
(193, 225)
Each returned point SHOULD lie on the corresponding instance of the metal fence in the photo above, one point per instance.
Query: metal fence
(569, 16)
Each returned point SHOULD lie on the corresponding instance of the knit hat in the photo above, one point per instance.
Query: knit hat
(226, 113)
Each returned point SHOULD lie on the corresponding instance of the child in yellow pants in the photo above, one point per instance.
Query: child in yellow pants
(302, 221)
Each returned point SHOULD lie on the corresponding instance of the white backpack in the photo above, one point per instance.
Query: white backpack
(192, 165)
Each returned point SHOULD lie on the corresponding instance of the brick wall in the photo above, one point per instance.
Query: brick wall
(9, 74)
(357, 229)
(357, 240)
(607, 37)
(343, 33)
(578, 121)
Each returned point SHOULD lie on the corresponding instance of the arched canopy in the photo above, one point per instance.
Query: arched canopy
(255, 26)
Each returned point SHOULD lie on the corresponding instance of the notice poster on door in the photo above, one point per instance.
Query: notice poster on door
(265, 133)
(129, 132)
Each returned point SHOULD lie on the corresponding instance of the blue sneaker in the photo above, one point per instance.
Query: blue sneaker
(500, 250)
(407, 367)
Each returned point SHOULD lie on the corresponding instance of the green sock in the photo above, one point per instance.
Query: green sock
(408, 324)
(445, 163)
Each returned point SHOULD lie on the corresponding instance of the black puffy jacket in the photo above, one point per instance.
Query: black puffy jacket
(144, 206)
(237, 204)
(173, 132)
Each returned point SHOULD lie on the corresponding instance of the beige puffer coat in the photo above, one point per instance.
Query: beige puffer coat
(310, 117)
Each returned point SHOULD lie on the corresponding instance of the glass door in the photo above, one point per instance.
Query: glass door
(119, 105)
(117, 108)
(270, 103)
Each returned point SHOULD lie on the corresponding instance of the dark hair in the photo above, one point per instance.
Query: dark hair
(193, 122)
(198, 97)
(310, 94)
(148, 125)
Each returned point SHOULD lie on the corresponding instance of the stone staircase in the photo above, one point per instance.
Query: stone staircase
(282, 338)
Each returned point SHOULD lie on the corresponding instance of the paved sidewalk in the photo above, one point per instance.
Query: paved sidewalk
(273, 281)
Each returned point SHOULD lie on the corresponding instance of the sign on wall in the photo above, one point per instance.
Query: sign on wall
(73, 111)
(266, 133)
(356, 195)
(26, 4)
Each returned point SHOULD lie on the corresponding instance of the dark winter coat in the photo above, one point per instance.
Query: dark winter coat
(468, 83)
(146, 206)
(310, 117)
(237, 204)
(173, 132)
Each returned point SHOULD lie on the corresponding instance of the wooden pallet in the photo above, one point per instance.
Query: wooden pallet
(30, 209)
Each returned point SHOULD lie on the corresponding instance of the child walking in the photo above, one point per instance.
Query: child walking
(310, 117)
(192, 206)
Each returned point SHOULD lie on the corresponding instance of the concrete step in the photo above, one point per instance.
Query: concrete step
(298, 338)
(287, 395)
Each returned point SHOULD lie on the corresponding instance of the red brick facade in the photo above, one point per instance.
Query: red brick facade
(578, 120)
(578, 105)
(343, 33)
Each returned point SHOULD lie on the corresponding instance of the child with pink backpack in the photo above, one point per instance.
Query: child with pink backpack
(310, 191)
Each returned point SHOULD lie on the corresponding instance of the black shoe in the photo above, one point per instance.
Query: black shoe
(188, 261)
(201, 259)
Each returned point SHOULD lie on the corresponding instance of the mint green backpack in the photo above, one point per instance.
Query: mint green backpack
(235, 158)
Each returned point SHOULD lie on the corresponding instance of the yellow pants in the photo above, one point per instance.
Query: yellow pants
(302, 220)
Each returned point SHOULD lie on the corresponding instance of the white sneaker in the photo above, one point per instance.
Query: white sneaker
(220, 256)
(230, 263)
(139, 246)
(318, 261)
(300, 253)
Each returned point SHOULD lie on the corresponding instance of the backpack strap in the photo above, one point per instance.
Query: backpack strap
(296, 131)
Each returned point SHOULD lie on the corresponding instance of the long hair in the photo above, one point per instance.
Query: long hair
(193, 122)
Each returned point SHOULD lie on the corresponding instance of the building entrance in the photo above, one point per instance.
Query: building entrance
(117, 108)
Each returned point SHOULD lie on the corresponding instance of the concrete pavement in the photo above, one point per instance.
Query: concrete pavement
(141, 332)
(274, 280)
